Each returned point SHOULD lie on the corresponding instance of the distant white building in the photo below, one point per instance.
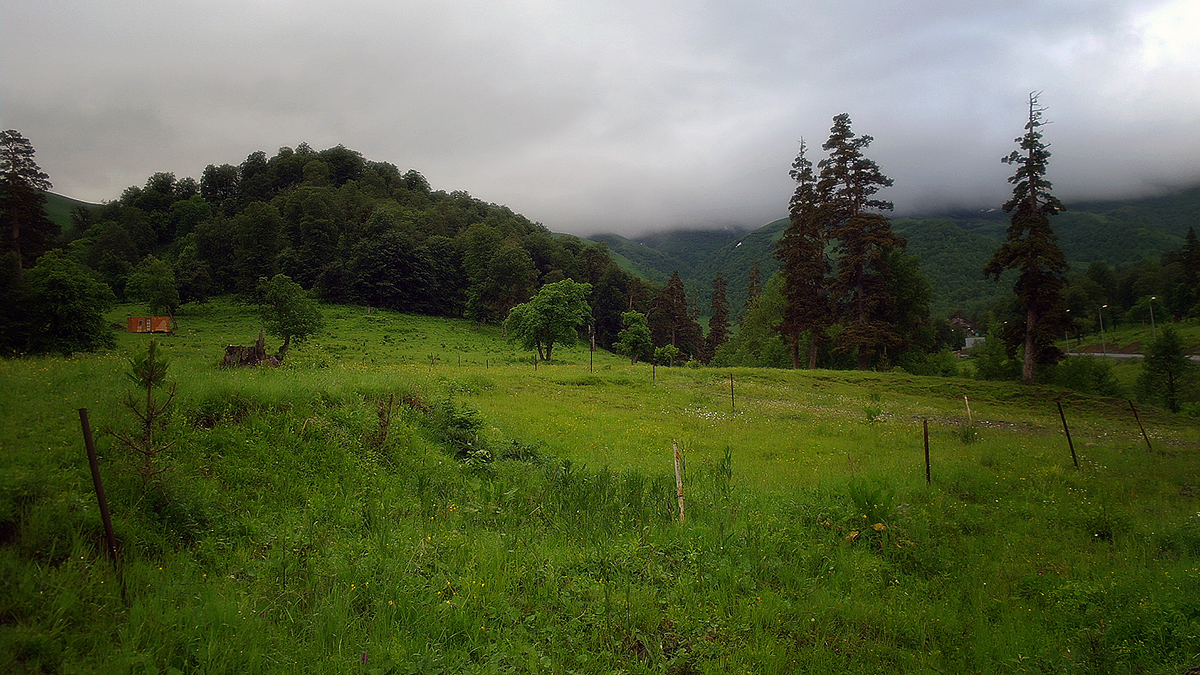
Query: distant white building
(974, 341)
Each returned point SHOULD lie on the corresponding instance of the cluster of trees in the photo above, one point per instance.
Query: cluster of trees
(845, 278)
(1167, 288)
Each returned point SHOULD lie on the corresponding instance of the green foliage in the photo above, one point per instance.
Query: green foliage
(634, 339)
(553, 316)
(153, 282)
(287, 311)
(1168, 378)
(1087, 375)
(672, 322)
(67, 307)
(147, 371)
(991, 359)
(757, 343)
(666, 355)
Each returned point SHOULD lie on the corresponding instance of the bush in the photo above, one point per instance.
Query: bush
(1087, 375)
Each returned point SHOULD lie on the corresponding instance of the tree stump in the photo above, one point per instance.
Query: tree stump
(254, 355)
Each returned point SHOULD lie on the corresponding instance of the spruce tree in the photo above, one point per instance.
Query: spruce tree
(804, 268)
(718, 323)
(847, 185)
(671, 323)
(1032, 247)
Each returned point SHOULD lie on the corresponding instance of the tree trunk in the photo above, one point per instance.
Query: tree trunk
(812, 355)
(1030, 355)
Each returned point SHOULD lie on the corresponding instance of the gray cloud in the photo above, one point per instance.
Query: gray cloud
(600, 115)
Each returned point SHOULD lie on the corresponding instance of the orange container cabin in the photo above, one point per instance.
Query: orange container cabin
(148, 324)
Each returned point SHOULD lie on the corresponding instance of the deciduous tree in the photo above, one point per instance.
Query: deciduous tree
(68, 307)
(1168, 377)
(634, 339)
(287, 311)
(552, 316)
(153, 282)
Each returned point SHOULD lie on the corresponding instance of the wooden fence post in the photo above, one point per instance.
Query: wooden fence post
(100, 498)
(732, 403)
(925, 427)
(1066, 429)
(678, 481)
(968, 402)
(1139, 421)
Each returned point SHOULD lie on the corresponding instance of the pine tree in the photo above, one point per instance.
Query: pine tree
(754, 288)
(718, 323)
(670, 321)
(804, 268)
(847, 184)
(25, 227)
(1032, 247)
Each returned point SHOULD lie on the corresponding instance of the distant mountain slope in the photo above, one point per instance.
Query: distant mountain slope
(953, 247)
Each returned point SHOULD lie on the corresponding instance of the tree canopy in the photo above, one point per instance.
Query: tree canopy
(68, 307)
(552, 316)
(24, 225)
(287, 311)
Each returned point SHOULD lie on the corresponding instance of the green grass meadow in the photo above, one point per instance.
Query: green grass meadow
(410, 495)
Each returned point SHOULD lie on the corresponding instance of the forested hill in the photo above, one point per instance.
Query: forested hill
(350, 229)
(953, 246)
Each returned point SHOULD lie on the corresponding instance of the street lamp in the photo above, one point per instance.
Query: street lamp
(1067, 336)
(1103, 344)
(1152, 328)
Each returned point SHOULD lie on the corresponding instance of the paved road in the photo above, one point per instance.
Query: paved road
(1120, 355)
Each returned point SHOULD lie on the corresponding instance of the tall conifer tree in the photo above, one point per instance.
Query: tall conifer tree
(804, 268)
(1032, 247)
(847, 185)
(718, 323)
(26, 228)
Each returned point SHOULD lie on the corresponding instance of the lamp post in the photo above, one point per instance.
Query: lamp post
(1066, 335)
(1103, 344)
(1153, 330)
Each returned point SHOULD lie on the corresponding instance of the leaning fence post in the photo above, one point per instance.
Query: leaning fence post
(678, 481)
(1139, 421)
(732, 403)
(968, 402)
(925, 427)
(1066, 429)
(100, 499)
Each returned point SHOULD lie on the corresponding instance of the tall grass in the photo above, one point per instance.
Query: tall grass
(292, 537)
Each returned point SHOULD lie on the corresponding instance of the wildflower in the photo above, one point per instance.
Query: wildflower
(879, 527)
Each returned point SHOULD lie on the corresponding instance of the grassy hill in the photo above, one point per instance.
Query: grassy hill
(409, 495)
(59, 207)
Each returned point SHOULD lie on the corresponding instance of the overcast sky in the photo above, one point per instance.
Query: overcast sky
(611, 115)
